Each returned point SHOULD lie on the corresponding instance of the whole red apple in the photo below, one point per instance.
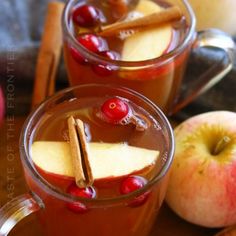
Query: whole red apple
(202, 187)
(2, 106)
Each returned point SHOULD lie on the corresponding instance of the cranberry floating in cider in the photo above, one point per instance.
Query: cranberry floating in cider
(114, 110)
(86, 16)
(87, 192)
(131, 184)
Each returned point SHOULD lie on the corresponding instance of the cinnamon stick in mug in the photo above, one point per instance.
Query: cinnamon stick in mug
(158, 18)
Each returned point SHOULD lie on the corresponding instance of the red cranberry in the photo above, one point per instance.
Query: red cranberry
(93, 43)
(114, 110)
(79, 207)
(110, 54)
(131, 184)
(103, 69)
(77, 56)
(86, 16)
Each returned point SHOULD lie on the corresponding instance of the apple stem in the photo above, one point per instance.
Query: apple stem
(221, 145)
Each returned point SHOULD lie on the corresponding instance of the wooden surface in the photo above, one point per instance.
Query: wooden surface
(12, 184)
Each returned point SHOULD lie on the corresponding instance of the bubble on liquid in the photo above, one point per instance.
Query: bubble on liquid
(140, 121)
(141, 125)
(125, 120)
(126, 33)
(134, 118)
(123, 34)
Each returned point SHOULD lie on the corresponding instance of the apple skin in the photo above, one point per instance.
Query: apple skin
(202, 186)
(2, 106)
(62, 181)
(106, 159)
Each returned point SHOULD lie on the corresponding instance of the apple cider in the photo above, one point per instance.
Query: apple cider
(128, 150)
(134, 58)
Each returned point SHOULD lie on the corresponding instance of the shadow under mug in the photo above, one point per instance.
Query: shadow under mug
(106, 216)
(160, 79)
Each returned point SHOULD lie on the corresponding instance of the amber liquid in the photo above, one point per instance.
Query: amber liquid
(160, 83)
(108, 218)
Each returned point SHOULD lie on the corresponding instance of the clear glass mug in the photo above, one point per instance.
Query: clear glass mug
(159, 79)
(107, 216)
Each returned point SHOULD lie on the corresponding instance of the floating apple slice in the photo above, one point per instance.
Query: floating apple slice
(150, 43)
(106, 159)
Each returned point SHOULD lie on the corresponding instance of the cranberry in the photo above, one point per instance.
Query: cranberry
(114, 110)
(79, 207)
(103, 69)
(93, 43)
(133, 183)
(76, 55)
(86, 16)
(110, 55)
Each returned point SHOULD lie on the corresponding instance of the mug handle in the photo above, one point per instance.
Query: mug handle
(208, 38)
(17, 209)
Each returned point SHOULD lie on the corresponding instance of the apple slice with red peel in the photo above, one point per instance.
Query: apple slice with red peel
(150, 43)
(106, 159)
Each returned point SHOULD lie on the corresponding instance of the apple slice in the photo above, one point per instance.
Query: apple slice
(106, 159)
(150, 43)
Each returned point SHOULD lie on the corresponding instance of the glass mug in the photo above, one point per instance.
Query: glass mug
(159, 79)
(113, 215)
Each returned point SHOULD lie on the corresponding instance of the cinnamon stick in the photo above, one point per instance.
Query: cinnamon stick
(49, 54)
(84, 151)
(158, 18)
(79, 153)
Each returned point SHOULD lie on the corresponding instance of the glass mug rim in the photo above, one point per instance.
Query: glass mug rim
(49, 188)
(119, 63)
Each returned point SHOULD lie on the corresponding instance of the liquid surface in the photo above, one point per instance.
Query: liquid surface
(111, 12)
(53, 127)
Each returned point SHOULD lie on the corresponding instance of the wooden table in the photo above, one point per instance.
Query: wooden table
(12, 184)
